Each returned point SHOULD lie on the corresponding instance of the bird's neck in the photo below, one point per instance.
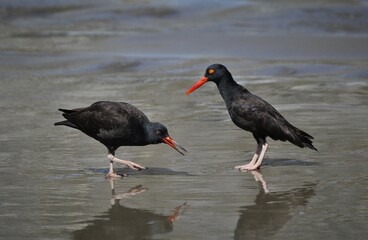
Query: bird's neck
(148, 129)
(228, 87)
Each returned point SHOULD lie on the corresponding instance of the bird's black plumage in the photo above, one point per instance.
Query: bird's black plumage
(252, 113)
(116, 124)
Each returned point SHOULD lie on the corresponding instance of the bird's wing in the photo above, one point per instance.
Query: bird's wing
(101, 118)
(258, 116)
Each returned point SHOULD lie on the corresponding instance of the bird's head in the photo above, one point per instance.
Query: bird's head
(158, 133)
(214, 73)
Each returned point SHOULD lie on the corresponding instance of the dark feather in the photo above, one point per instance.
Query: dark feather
(111, 123)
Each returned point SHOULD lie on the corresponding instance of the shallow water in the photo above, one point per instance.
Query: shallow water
(308, 60)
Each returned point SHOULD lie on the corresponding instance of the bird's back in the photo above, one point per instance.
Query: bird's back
(112, 123)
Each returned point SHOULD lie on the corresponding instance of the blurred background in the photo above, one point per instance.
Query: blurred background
(308, 59)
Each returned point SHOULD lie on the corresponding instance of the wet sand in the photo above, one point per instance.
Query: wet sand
(309, 61)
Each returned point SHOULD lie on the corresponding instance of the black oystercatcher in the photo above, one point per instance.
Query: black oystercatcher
(253, 114)
(116, 124)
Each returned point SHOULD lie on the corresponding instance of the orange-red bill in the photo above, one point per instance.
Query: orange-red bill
(169, 141)
(202, 81)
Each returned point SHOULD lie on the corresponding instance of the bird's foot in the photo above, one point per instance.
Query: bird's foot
(134, 166)
(247, 167)
(112, 175)
(130, 164)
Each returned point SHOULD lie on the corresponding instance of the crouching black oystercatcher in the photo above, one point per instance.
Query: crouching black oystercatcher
(116, 124)
(253, 114)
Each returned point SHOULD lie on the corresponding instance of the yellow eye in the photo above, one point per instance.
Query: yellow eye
(211, 71)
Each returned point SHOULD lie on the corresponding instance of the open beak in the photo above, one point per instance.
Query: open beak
(202, 81)
(169, 141)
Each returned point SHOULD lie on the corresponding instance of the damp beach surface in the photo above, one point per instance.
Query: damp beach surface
(308, 60)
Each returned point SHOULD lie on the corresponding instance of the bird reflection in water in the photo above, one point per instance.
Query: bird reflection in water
(116, 197)
(271, 211)
(259, 178)
(121, 222)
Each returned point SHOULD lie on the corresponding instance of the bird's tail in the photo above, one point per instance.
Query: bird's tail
(67, 111)
(302, 139)
(66, 122)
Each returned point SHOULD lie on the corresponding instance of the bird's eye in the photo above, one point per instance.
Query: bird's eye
(211, 71)
(158, 132)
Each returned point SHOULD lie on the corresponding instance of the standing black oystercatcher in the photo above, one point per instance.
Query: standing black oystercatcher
(116, 124)
(253, 114)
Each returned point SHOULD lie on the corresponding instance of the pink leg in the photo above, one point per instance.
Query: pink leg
(260, 159)
(254, 159)
(111, 173)
(130, 164)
